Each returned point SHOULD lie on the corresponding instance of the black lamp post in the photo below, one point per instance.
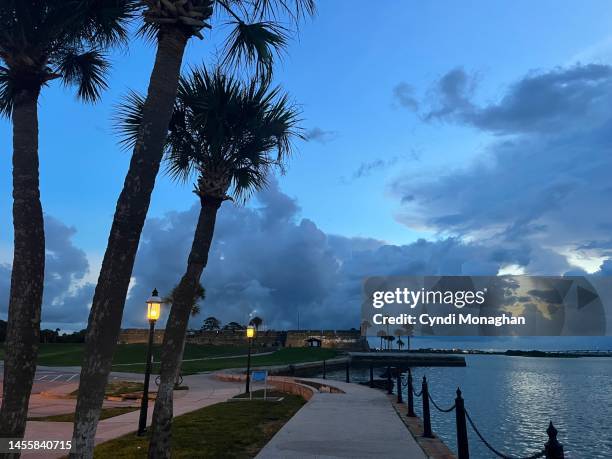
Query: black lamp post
(250, 333)
(153, 311)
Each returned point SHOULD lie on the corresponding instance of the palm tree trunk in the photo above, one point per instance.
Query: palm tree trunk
(176, 327)
(23, 329)
(132, 206)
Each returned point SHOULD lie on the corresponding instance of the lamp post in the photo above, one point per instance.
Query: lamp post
(250, 334)
(153, 311)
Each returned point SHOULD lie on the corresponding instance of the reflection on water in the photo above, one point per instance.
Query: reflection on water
(512, 399)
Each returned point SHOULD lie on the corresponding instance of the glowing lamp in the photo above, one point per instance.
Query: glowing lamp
(154, 306)
(250, 331)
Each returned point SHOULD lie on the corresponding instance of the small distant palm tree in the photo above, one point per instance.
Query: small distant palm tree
(41, 41)
(229, 135)
(256, 322)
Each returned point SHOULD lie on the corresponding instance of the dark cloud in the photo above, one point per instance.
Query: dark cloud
(266, 258)
(316, 134)
(544, 190)
(403, 95)
(540, 102)
(67, 296)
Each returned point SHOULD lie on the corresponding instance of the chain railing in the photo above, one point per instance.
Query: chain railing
(552, 448)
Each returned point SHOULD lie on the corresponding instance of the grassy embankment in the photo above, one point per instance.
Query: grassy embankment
(228, 429)
(130, 357)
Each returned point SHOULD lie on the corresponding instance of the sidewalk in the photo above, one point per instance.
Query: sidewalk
(361, 423)
(204, 390)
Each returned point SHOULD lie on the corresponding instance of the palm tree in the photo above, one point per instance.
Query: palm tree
(256, 322)
(256, 35)
(224, 132)
(199, 295)
(41, 41)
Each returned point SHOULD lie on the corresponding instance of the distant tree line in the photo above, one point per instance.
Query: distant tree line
(212, 324)
(50, 336)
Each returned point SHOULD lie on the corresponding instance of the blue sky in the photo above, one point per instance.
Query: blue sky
(370, 84)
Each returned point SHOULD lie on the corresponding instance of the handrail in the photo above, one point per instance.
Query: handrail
(552, 449)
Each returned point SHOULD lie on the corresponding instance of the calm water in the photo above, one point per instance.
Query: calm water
(512, 399)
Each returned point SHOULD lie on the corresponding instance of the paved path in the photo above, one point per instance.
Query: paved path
(358, 424)
(204, 390)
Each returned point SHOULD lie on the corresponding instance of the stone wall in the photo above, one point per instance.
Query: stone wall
(139, 335)
(269, 338)
(336, 339)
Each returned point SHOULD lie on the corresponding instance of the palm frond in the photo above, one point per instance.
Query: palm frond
(6, 92)
(224, 127)
(295, 9)
(85, 70)
(105, 22)
(255, 45)
(128, 118)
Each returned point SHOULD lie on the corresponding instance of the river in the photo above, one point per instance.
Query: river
(512, 399)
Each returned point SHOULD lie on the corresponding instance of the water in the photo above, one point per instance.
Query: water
(512, 399)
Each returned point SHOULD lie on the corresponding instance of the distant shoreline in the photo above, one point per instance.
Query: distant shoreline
(521, 353)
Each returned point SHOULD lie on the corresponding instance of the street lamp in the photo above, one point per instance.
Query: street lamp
(153, 311)
(250, 334)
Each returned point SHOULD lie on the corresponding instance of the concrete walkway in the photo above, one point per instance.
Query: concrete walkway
(204, 390)
(358, 424)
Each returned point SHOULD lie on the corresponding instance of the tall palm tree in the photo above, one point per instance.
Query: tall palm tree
(256, 35)
(199, 295)
(41, 41)
(229, 135)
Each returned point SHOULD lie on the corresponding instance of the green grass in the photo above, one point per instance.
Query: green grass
(284, 356)
(225, 430)
(69, 417)
(60, 354)
(70, 354)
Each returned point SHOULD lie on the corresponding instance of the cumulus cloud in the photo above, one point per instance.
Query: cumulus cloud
(66, 297)
(561, 98)
(268, 259)
(544, 185)
(316, 134)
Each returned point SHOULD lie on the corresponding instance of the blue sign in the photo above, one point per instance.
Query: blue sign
(259, 375)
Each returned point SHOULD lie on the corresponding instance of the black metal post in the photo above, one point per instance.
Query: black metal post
(324, 371)
(248, 375)
(398, 380)
(348, 375)
(553, 449)
(144, 403)
(426, 414)
(410, 396)
(389, 382)
(462, 437)
(371, 375)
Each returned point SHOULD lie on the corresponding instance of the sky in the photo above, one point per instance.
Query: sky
(443, 137)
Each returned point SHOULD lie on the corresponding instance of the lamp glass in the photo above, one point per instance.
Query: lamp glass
(153, 310)
(250, 331)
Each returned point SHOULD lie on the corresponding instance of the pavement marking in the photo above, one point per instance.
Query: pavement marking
(56, 378)
(41, 378)
(72, 377)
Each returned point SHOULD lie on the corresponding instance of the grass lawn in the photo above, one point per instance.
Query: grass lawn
(70, 354)
(283, 356)
(105, 414)
(63, 354)
(225, 430)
